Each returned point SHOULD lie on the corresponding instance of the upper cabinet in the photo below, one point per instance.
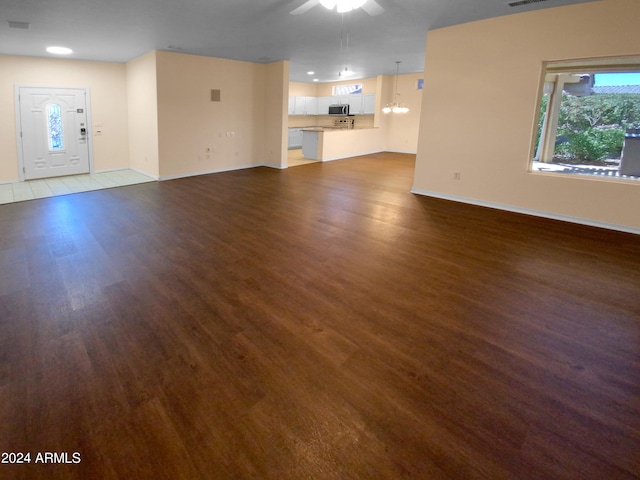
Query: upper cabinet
(311, 105)
(323, 104)
(303, 105)
(368, 103)
(306, 106)
(362, 104)
(359, 104)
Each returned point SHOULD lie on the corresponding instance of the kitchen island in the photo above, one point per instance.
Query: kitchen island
(329, 143)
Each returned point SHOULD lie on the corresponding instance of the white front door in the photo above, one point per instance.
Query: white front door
(53, 131)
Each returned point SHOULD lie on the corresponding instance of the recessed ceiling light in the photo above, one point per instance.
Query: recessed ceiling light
(59, 50)
(316, 80)
(310, 73)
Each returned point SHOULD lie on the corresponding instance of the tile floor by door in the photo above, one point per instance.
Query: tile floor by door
(51, 187)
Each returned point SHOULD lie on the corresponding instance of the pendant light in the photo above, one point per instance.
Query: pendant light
(344, 46)
(395, 106)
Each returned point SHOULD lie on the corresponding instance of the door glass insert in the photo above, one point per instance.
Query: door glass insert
(54, 125)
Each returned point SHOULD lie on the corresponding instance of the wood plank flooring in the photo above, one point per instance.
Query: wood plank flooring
(319, 322)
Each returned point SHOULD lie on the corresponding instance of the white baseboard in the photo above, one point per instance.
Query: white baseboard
(359, 154)
(207, 172)
(9, 182)
(137, 170)
(526, 211)
(142, 172)
(402, 151)
(107, 170)
(279, 167)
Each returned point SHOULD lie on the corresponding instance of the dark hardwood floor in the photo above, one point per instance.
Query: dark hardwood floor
(319, 322)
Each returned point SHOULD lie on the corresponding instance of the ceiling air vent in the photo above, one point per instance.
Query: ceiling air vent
(22, 25)
(519, 3)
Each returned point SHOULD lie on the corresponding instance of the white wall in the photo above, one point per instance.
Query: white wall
(479, 109)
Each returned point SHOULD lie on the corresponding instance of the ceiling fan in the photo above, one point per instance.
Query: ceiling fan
(341, 6)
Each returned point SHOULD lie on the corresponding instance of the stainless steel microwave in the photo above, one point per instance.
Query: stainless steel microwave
(341, 110)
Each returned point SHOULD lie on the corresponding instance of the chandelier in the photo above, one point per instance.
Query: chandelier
(395, 106)
(343, 5)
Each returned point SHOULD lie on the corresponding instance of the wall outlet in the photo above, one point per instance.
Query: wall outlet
(456, 175)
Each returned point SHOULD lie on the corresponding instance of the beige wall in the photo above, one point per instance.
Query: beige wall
(302, 89)
(143, 114)
(482, 85)
(401, 130)
(108, 91)
(189, 122)
(274, 150)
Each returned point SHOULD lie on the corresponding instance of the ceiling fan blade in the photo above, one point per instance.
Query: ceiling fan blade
(306, 6)
(372, 8)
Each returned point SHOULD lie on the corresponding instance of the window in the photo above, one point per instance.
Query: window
(347, 89)
(589, 119)
(54, 128)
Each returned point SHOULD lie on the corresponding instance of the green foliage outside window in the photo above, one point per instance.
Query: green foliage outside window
(591, 129)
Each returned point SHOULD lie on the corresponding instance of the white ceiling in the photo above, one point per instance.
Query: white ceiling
(260, 31)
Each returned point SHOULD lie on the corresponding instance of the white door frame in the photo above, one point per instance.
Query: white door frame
(19, 124)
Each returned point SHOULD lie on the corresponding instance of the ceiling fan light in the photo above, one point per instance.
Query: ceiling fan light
(343, 6)
(328, 4)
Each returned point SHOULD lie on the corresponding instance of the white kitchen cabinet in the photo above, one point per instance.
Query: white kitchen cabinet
(303, 105)
(310, 144)
(369, 104)
(359, 104)
(355, 104)
(295, 138)
(323, 104)
(311, 105)
(299, 107)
